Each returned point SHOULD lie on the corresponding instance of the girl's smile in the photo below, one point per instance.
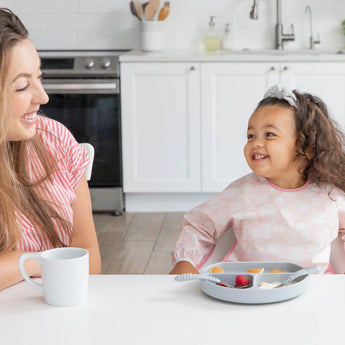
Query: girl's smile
(256, 157)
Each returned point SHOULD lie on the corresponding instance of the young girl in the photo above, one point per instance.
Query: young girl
(45, 201)
(293, 204)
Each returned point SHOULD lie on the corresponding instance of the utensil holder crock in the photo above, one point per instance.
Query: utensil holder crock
(152, 35)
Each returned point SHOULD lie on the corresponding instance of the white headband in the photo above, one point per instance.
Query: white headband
(281, 92)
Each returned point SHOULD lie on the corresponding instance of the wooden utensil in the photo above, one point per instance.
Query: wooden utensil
(163, 13)
(151, 9)
(144, 6)
(138, 8)
(133, 10)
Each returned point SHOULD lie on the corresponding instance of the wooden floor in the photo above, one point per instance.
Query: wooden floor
(137, 243)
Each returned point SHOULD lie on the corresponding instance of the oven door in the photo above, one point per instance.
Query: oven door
(91, 111)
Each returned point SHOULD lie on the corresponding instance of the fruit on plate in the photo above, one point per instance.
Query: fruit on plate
(241, 282)
(223, 284)
(255, 270)
(265, 285)
(277, 271)
(216, 269)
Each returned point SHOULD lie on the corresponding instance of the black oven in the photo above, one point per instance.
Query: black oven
(84, 95)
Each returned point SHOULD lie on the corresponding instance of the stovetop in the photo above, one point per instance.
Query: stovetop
(84, 53)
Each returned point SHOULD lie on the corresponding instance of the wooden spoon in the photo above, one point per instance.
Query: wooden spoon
(163, 13)
(151, 9)
(144, 5)
(138, 8)
(133, 10)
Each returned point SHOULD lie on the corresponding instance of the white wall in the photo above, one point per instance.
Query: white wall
(108, 24)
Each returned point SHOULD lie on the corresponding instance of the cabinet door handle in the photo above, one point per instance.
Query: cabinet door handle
(272, 68)
(285, 68)
(192, 68)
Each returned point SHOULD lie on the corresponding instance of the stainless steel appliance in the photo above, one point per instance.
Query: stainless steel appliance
(84, 95)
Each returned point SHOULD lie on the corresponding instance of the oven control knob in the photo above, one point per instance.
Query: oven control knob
(89, 63)
(105, 63)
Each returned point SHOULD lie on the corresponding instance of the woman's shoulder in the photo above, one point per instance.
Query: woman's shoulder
(57, 138)
(61, 143)
(48, 126)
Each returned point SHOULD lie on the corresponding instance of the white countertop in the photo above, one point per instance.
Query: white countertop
(156, 310)
(336, 55)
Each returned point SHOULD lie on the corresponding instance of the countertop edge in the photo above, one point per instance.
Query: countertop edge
(233, 56)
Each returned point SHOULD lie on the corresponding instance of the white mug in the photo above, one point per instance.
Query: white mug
(65, 275)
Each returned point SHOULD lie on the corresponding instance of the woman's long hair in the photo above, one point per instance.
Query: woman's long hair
(320, 142)
(17, 191)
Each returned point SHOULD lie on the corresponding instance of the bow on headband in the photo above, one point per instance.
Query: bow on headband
(281, 92)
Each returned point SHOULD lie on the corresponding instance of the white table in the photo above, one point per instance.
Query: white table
(155, 310)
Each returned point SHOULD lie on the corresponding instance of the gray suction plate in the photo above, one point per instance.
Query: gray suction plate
(253, 294)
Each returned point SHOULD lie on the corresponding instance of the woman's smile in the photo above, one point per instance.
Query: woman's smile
(30, 118)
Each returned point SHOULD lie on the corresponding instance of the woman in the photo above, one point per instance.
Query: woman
(45, 200)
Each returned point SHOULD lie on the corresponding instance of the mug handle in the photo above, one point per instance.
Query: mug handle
(22, 259)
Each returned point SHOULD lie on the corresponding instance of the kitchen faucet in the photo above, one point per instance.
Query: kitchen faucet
(255, 10)
(312, 42)
(280, 37)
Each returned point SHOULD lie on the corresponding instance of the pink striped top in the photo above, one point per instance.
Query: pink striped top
(72, 161)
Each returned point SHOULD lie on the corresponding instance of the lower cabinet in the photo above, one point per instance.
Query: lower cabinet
(323, 79)
(230, 93)
(161, 127)
(184, 124)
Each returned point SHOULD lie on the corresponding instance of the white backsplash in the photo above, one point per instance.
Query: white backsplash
(108, 24)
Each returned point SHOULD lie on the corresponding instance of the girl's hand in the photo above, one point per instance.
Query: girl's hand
(184, 267)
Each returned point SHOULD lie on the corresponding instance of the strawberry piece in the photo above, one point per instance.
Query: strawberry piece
(241, 281)
(223, 284)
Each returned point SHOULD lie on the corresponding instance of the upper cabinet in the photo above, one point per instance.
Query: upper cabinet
(184, 124)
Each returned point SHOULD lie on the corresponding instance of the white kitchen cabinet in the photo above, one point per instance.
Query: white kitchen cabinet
(230, 93)
(161, 127)
(323, 79)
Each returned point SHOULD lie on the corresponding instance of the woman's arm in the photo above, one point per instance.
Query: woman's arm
(84, 233)
(9, 269)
